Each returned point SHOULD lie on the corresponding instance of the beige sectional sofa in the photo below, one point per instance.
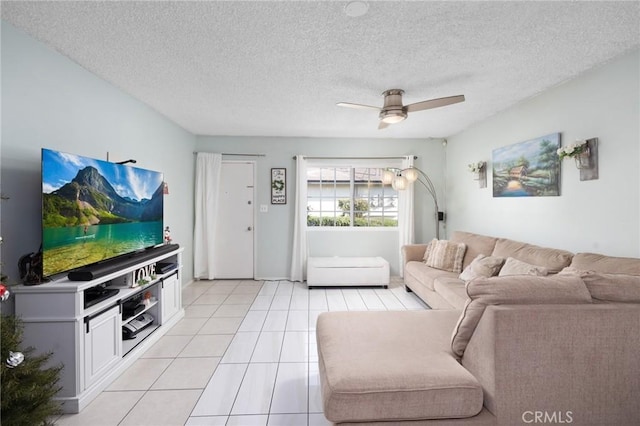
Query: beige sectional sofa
(505, 350)
(444, 290)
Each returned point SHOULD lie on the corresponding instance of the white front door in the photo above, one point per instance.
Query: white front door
(234, 229)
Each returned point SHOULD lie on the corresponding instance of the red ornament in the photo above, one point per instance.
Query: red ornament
(4, 292)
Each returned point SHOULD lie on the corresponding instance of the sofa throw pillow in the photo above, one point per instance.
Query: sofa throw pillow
(446, 255)
(511, 290)
(427, 251)
(609, 287)
(517, 267)
(482, 267)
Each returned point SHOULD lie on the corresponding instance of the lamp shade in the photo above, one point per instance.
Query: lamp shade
(399, 183)
(392, 117)
(411, 175)
(387, 177)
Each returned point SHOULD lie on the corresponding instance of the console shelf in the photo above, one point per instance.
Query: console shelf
(89, 341)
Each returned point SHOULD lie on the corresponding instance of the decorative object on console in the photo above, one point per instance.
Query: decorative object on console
(527, 169)
(479, 171)
(278, 186)
(165, 188)
(144, 275)
(400, 179)
(167, 235)
(30, 268)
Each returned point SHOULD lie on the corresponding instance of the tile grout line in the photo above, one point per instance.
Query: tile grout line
(217, 366)
(273, 390)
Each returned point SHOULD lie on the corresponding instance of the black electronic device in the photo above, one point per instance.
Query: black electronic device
(132, 307)
(135, 326)
(112, 208)
(97, 294)
(164, 267)
(105, 268)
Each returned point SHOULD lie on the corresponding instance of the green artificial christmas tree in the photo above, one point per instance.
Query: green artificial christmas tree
(27, 385)
(27, 388)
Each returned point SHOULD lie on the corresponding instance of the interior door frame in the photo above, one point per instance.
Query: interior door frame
(255, 211)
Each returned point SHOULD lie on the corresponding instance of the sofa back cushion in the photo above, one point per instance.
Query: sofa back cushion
(606, 264)
(517, 267)
(552, 259)
(613, 287)
(476, 244)
(514, 290)
(609, 287)
(482, 267)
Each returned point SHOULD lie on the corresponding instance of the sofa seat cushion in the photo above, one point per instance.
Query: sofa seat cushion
(553, 259)
(392, 366)
(452, 290)
(426, 275)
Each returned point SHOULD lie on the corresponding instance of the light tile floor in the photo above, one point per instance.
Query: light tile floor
(245, 354)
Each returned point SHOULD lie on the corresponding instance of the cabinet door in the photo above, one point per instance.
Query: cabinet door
(102, 344)
(171, 296)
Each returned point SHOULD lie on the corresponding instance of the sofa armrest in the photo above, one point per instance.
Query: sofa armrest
(413, 252)
(571, 360)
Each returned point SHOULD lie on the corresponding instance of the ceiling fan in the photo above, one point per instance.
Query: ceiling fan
(394, 112)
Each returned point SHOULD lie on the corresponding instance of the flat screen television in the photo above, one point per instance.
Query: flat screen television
(94, 210)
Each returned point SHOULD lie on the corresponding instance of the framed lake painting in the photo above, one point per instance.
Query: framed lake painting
(527, 169)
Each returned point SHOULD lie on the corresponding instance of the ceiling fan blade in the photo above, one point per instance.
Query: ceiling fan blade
(434, 103)
(382, 125)
(357, 106)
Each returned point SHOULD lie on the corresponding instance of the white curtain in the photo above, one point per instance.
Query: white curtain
(299, 255)
(208, 168)
(405, 215)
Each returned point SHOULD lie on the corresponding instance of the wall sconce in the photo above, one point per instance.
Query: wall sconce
(585, 154)
(165, 188)
(479, 171)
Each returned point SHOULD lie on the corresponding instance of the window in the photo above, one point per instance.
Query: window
(350, 196)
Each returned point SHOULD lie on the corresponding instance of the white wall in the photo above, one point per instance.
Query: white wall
(596, 216)
(49, 101)
(274, 230)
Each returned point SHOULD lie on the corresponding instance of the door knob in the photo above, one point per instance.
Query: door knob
(248, 228)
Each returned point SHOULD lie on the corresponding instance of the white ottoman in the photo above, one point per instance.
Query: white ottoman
(347, 271)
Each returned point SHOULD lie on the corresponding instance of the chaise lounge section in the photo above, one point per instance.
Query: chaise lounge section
(560, 348)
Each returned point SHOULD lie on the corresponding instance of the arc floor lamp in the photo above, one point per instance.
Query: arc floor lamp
(402, 179)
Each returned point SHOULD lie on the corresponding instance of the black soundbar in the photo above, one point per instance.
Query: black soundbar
(107, 267)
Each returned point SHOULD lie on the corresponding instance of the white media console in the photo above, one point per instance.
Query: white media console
(88, 340)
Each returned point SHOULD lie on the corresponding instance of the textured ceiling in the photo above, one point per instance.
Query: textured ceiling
(278, 68)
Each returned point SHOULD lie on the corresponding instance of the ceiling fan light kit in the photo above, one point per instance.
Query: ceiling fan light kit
(393, 111)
